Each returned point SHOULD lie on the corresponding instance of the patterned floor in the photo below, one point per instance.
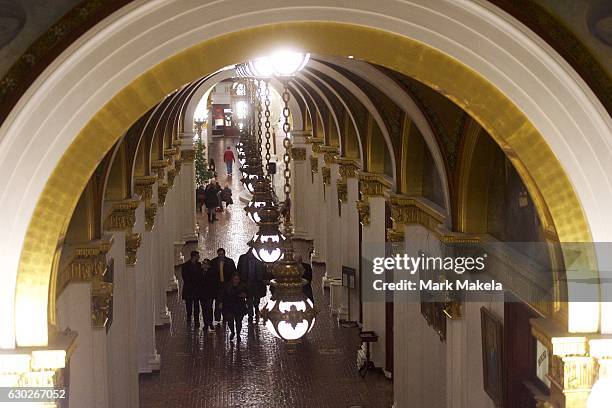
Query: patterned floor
(207, 370)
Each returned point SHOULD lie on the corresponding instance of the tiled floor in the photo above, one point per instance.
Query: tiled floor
(207, 370)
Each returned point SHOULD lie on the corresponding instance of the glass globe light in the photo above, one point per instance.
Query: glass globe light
(268, 241)
(261, 196)
(287, 63)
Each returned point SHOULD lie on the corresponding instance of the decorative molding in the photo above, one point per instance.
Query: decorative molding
(395, 235)
(188, 155)
(177, 143)
(170, 153)
(158, 167)
(132, 243)
(407, 210)
(162, 191)
(298, 153)
(122, 216)
(342, 190)
(329, 153)
(326, 173)
(371, 184)
(143, 186)
(363, 209)
(347, 167)
(314, 164)
(101, 303)
(316, 142)
(86, 262)
(150, 213)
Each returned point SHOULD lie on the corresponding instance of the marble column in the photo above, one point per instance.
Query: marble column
(374, 188)
(300, 182)
(318, 206)
(188, 188)
(333, 239)
(162, 315)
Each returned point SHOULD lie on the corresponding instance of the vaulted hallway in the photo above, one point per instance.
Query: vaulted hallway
(201, 369)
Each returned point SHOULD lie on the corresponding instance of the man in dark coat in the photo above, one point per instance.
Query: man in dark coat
(307, 275)
(211, 200)
(193, 279)
(222, 268)
(252, 275)
(210, 290)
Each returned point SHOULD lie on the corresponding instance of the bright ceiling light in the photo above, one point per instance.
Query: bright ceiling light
(287, 63)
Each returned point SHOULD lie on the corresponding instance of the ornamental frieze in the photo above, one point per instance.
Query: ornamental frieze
(329, 153)
(87, 262)
(170, 153)
(158, 167)
(347, 167)
(150, 213)
(373, 184)
(298, 153)
(363, 209)
(162, 191)
(143, 186)
(122, 216)
(409, 210)
(342, 190)
(314, 165)
(132, 243)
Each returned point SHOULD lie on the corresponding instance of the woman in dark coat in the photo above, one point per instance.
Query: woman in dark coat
(211, 200)
(234, 305)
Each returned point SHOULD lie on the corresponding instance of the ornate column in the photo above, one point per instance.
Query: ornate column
(348, 195)
(84, 299)
(301, 181)
(374, 188)
(319, 217)
(333, 265)
(188, 188)
(148, 358)
(158, 246)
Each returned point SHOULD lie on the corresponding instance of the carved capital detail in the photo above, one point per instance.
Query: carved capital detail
(329, 153)
(158, 166)
(314, 165)
(394, 235)
(101, 303)
(171, 176)
(122, 216)
(150, 213)
(298, 153)
(177, 143)
(188, 156)
(170, 153)
(132, 243)
(162, 191)
(316, 142)
(342, 189)
(373, 184)
(143, 186)
(363, 209)
(87, 262)
(326, 173)
(347, 167)
(409, 210)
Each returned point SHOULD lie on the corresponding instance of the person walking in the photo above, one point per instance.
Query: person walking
(193, 279)
(252, 274)
(212, 168)
(222, 269)
(234, 305)
(210, 291)
(229, 159)
(200, 198)
(211, 200)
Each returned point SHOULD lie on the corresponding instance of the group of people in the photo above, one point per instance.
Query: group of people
(213, 196)
(223, 290)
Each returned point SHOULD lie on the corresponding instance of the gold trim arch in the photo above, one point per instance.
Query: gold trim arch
(496, 113)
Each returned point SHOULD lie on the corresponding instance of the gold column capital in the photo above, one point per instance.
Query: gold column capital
(150, 213)
(406, 210)
(316, 143)
(363, 209)
(101, 303)
(162, 191)
(85, 262)
(347, 167)
(143, 186)
(395, 235)
(122, 216)
(158, 166)
(177, 143)
(170, 153)
(298, 153)
(373, 184)
(132, 243)
(329, 153)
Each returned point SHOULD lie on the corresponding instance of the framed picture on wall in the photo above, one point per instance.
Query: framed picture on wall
(492, 356)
